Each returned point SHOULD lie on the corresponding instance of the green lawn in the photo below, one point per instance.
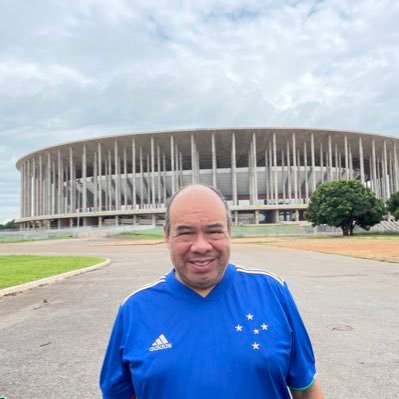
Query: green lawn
(20, 269)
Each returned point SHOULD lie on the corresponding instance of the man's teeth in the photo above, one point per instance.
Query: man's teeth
(201, 263)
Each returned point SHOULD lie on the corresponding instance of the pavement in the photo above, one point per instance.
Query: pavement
(53, 337)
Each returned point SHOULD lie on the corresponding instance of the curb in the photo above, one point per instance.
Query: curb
(49, 280)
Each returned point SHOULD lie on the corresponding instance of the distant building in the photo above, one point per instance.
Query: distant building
(266, 174)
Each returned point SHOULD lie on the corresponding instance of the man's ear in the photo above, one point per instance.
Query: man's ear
(166, 234)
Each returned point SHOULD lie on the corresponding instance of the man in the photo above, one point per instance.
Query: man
(208, 329)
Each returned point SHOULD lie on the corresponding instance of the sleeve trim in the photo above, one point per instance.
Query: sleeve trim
(306, 387)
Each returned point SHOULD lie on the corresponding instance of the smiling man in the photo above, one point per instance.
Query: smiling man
(208, 329)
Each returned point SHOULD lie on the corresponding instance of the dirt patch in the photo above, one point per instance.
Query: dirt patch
(377, 248)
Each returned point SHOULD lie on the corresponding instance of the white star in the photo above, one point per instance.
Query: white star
(264, 326)
(256, 331)
(255, 345)
(238, 327)
(250, 316)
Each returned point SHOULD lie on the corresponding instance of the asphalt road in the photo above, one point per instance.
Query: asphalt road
(52, 338)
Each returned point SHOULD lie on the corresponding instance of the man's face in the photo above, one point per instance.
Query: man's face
(199, 238)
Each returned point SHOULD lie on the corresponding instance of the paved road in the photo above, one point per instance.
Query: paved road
(52, 338)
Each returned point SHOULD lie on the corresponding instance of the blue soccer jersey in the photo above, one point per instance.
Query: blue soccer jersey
(245, 339)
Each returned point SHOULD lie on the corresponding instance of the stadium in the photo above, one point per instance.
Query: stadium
(266, 174)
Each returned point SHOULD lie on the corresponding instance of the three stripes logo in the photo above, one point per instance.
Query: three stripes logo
(160, 343)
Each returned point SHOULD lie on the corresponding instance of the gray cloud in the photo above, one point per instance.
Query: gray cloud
(81, 68)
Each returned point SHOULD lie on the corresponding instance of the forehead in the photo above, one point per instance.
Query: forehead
(197, 205)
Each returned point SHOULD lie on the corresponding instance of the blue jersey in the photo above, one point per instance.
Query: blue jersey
(245, 339)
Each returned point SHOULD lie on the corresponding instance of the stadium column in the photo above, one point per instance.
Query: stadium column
(283, 173)
(193, 163)
(313, 162)
(289, 171)
(165, 193)
(330, 177)
(361, 160)
(321, 163)
(305, 164)
(270, 158)
(141, 178)
(22, 191)
(386, 182)
(251, 158)
(59, 183)
(28, 189)
(117, 176)
(250, 182)
(72, 185)
(396, 167)
(134, 174)
(172, 163)
(148, 181)
(47, 201)
(275, 178)
(177, 168)
(181, 167)
(40, 196)
(152, 173)
(255, 169)
(53, 188)
(84, 179)
(267, 178)
(234, 176)
(294, 164)
(350, 162)
(346, 157)
(109, 181)
(100, 175)
(214, 180)
(125, 177)
(336, 161)
(96, 191)
(159, 176)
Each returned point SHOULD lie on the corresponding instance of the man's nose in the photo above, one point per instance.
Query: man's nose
(201, 244)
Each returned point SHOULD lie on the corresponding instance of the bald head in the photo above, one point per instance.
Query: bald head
(195, 190)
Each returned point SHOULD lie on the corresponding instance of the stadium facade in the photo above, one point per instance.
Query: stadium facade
(266, 174)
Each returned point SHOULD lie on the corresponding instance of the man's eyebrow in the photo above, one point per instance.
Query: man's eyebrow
(184, 227)
(215, 226)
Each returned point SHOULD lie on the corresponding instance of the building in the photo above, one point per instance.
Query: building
(266, 174)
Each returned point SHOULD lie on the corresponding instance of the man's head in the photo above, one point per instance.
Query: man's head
(197, 231)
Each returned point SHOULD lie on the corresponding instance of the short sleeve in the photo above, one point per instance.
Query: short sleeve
(115, 378)
(302, 368)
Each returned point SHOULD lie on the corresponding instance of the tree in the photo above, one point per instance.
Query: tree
(345, 204)
(393, 205)
(9, 225)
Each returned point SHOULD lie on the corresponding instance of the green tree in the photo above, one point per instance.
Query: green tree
(393, 205)
(345, 204)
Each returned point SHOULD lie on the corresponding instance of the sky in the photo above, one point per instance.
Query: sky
(75, 69)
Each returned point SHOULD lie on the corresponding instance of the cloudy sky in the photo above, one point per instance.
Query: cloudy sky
(73, 69)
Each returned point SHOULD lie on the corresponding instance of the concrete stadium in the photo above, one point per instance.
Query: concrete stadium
(266, 174)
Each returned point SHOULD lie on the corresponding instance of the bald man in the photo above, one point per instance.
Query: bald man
(208, 329)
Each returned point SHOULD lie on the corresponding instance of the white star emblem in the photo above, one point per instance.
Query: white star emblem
(255, 345)
(250, 316)
(256, 331)
(264, 326)
(238, 328)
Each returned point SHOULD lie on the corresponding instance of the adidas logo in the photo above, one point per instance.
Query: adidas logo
(160, 343)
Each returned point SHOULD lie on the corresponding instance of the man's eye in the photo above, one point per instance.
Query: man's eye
(215, 232)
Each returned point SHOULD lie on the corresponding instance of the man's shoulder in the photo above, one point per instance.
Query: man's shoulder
(146, 290)
(260, 275)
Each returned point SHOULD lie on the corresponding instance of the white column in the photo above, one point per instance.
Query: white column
(275, 168)
(153, 172)
(125, 177)
(294, 162)
(100, 177)
(159, 175)
(95, 183)
(172, 162)
(134, 173)
(346, 158)
(214, 180)
(193, 161)
(84, 179)
(329, 158)
(313, 163)
(289, 171)
(361, 160)
(141, 179)
(233, 170)
(396, 166)
(117, 177)
(255, 167)
(305, 164)
(267, 178)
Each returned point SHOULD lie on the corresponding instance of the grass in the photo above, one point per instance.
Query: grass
(20, 269)
(10, 239)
